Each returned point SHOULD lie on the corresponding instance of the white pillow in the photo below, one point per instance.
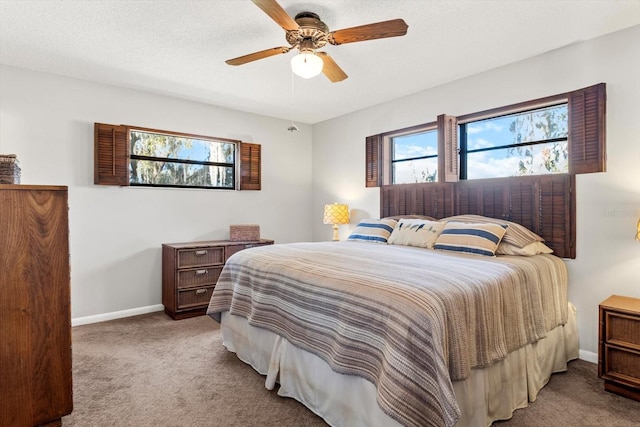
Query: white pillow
(416, 232)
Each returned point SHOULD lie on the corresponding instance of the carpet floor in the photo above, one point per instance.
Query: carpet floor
(150, 370)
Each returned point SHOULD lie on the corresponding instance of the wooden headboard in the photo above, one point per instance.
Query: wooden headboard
(545, 204)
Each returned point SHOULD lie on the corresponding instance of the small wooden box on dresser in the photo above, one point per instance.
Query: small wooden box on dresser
(619, 346)
(35, 306)
(190, 271)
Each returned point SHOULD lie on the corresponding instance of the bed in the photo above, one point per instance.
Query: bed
(370, 334)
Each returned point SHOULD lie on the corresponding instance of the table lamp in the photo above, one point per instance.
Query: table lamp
(336, 214)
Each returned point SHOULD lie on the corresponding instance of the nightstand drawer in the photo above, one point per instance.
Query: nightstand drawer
(190, 271)
(623, 330)
(232, 249)
(619, 349)
(198, 277)
(194, 257)
(623, 365)
(194, 297)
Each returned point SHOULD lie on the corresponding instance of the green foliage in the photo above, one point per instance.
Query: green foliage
(540, 125)
(424, 175)
(164, 170)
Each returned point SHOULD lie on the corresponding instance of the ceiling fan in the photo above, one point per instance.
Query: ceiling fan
(308, 33)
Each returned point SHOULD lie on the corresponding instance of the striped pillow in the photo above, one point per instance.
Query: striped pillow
(480, 239)
(373, 230)
(516, 234)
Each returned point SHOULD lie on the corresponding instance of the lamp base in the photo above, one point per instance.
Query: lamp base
(335, 233)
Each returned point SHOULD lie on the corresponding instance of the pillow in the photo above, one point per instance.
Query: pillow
(416, 232)
(480, 239)
(373, 230)
(531, 249)
(516, 234)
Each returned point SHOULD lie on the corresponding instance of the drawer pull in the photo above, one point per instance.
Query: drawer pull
(248, 246)
(201, 291)
(202, 252)
(201, 272)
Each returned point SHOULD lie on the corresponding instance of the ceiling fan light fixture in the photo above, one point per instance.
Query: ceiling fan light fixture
(306, 64)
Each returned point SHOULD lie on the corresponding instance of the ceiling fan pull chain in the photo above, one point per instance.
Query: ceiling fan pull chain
(293, 127)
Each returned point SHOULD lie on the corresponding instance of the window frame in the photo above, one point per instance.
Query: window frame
(463, 121)
(586, 139)
(233, 165)
(387, 147)
(112, 158)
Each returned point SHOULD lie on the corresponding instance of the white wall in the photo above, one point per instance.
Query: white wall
(608, 257)
(116, 233)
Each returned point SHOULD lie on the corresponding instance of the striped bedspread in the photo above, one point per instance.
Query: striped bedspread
(409, 320)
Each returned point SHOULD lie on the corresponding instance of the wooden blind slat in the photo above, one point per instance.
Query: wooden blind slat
(587, 130)
(111, 154)
(250, 166)
(448, 149)
(373, 161)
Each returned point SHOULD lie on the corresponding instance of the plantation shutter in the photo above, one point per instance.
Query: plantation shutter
(587, 129)
(111, 154)
(448, 148)
(250, 166)
(373, 161)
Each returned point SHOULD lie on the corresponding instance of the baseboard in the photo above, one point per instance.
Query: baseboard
(588, 356)
(116, 315)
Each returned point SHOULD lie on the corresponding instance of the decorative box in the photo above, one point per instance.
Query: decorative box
(244, 232)
(9, 169)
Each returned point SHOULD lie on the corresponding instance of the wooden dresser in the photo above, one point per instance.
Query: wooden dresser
(190, 272)
(35, 306)
(619, 349)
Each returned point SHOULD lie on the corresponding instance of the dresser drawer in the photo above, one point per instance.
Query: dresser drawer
(198, 277)
(194, 297)
(194, 257)
(623, 330)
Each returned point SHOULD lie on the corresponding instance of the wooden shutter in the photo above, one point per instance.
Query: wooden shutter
(250, 166)
(111, 154)
(373, 160)
(448, 148)
(557, 204)
(587, 130)
(433, 199)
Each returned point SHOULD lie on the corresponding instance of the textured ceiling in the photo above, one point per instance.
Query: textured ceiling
(178, 48)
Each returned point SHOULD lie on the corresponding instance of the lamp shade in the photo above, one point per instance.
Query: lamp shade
(336, 214)
(306, 64)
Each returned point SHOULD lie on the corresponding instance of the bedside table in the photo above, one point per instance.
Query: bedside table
(619, 346)
(190, 272)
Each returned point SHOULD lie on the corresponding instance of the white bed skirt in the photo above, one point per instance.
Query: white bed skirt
(343, 400)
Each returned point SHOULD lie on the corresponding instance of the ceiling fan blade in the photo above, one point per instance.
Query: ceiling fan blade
(331, 69)
(258, 55)
(277, 13)
(379, 30)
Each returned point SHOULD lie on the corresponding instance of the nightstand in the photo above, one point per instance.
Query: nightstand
(619, 346)
(190, 272)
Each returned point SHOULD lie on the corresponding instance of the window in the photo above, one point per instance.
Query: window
(563, 133)
(170, 160)
(533, 142)
(126, 155)
(414, 157)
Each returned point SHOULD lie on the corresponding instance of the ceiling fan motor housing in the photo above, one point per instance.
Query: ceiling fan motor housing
(312, 33)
